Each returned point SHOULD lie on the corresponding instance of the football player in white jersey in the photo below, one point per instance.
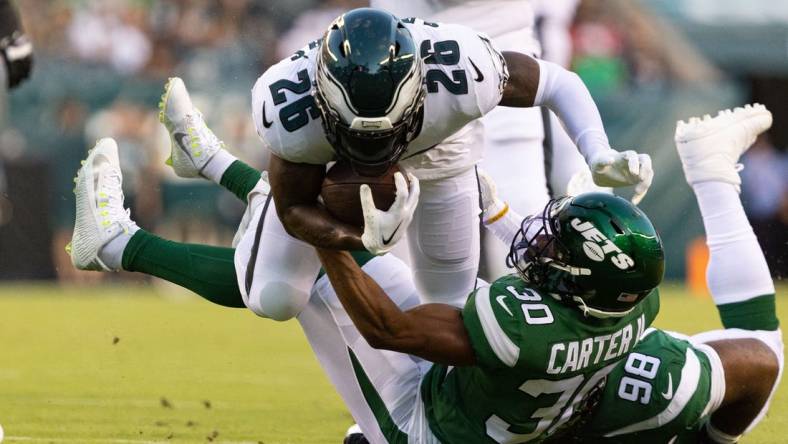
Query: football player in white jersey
(520, 143)
(378, 91)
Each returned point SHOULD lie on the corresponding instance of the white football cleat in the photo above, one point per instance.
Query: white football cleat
(193, 143)
(710, 148)
(101, 216)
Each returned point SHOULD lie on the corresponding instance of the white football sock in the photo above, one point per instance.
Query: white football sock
(112, 253)
(215, 168)
(737, 268)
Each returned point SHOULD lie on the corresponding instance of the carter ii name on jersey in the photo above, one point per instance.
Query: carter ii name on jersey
(574, 356)
(597, 246)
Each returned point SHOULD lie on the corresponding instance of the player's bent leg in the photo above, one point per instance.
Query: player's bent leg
(444, 239)
(380, 387)
(105, 238)
(737, 275)
(195, 149)
(206, 270)
(751, 370)
(274, 270)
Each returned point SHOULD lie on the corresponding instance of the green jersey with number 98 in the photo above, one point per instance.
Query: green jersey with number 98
(537, 359)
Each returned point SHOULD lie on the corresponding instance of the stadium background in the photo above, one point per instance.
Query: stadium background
(99, 70)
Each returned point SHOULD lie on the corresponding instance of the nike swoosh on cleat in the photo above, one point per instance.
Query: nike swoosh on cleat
(669, 394)
(479, 76)
(500, 301)
(179, 140)
(266, 123)
(386, 241)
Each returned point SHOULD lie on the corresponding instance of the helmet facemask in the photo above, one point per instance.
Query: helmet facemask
(371, 152)
(536, 246)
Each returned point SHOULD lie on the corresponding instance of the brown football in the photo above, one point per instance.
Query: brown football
(340, 192)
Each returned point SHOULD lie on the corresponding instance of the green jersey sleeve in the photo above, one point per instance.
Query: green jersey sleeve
(493, 320)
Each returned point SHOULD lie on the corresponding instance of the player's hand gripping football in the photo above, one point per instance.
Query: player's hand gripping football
(618, 169)
(382, 229)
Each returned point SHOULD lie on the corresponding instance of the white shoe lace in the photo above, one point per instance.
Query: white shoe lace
(110, 201)
(200, 136)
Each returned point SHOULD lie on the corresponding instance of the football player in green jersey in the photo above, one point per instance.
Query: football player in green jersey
(563, 351)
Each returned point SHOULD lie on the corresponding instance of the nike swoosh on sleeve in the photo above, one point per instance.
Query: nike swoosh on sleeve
(479, 76)
(500, 301)
(669, 394)
(266, 123)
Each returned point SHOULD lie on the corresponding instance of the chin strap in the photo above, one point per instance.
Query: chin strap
(596, 313)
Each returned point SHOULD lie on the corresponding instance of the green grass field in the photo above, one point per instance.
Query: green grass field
(124, 365)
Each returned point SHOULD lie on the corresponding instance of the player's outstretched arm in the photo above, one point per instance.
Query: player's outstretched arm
(541, 83)
(295, 188)
(432, 331)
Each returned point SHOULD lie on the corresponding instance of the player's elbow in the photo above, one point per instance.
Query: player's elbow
(290, 220)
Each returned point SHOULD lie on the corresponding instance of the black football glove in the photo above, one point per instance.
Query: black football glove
(17, 53)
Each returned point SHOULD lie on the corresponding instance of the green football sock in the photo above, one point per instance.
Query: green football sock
(757, 313)
(206, 270)
(240, 179)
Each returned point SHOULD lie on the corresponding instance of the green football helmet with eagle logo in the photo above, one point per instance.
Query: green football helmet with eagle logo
(595, 250)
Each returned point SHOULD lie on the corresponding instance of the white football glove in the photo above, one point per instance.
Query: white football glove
(619, 169)
(493, 208)
(382, 229)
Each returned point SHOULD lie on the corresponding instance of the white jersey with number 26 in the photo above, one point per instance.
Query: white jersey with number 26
(464, 76)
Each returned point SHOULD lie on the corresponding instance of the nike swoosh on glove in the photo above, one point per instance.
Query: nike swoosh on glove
(619, 169)
(383, 229)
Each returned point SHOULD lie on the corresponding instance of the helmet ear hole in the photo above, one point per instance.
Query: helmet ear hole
(396, 48)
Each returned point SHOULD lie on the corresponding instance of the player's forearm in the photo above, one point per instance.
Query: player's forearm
(373, 313)
(295, 188)
(313, 225)
(564, 93)
(539, 83)
(505, 225)
(434, 332)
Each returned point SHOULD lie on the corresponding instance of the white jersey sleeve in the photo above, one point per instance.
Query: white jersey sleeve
(285, 114)
(461, 66)
(464, 75)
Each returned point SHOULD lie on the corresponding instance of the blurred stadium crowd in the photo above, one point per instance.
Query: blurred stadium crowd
(101, 65)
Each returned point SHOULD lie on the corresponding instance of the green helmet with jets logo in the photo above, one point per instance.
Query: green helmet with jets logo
(369, 89)
(595, 250)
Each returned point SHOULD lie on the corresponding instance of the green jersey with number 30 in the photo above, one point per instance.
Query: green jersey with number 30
(537, 358)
